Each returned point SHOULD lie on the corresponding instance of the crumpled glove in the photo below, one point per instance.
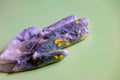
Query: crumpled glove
(33, 48)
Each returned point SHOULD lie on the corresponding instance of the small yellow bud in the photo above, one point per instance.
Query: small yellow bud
(58, 42)
(56, 57)
(61, 56)
(77, 21)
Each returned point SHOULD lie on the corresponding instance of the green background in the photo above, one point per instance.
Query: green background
(96, 58)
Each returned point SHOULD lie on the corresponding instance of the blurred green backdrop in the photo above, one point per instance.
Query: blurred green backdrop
(96, 58)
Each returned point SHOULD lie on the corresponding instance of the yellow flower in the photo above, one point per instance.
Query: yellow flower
(77, 21)
(58, 42)
(58, 56)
